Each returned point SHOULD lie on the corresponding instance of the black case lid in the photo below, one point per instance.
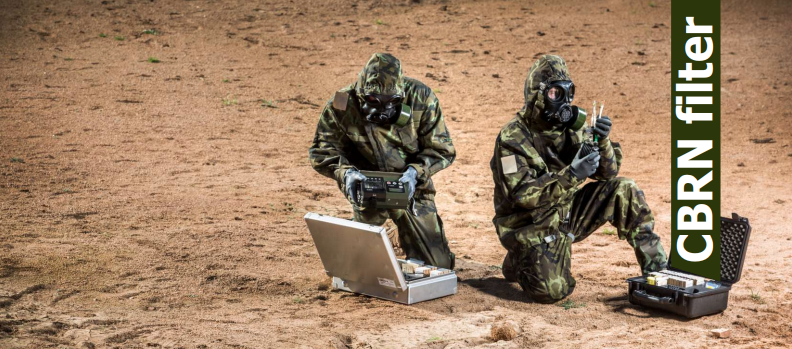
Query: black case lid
(734, 243)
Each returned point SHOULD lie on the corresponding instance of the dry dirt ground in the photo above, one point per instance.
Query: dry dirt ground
(160, 204)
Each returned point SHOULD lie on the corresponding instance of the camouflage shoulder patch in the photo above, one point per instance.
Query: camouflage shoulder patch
(340, 100)
(509, 164)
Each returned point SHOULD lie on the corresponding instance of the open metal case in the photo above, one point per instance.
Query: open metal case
(360, 259)
(700, 300)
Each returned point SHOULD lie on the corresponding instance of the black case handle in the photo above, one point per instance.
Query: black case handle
(643, 295)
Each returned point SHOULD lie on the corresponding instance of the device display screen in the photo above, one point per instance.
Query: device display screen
(373, 185)
(395, 186)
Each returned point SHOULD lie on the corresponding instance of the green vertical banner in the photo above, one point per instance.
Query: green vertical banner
(695, 137)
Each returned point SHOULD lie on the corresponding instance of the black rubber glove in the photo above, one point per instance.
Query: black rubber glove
(583, 167)
(351, 179)
(602, 127)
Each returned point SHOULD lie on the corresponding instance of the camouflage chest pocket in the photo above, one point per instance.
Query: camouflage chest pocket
(357, 136)
(408, 134)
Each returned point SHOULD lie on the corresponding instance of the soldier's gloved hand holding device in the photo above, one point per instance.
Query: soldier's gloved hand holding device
(584, 166)
(410, 179)
(352, 178)
(385, 190)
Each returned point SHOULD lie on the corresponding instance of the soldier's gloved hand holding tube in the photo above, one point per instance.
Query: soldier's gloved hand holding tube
(351, 179)
(584, 167)
(602, 127)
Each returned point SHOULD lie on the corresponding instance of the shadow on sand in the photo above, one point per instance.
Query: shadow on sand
(499, 287)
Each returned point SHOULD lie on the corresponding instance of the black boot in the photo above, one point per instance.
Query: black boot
(508, 269)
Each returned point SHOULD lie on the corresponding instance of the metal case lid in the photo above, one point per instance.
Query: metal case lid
(355, 251)
(734, 243)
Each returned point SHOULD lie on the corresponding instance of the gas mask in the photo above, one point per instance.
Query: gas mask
(557, 108)
(385, 110)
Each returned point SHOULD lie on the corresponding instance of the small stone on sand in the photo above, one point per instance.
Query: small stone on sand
(503, 331)
(721, 333)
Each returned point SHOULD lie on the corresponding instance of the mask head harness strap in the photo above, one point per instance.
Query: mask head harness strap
(539, 104)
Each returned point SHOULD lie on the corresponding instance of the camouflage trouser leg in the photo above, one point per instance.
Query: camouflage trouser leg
(620, 202)
(544, 270)
(421, 237)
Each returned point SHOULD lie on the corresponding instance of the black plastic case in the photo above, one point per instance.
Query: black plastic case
(696, 301)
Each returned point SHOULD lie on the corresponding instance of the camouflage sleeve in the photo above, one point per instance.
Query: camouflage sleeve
(610, 160)
(519, 166)
(326, 153)
(437, 150)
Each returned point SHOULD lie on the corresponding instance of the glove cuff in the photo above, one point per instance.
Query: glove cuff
(568, 179)
(420, 174)
(340, 175)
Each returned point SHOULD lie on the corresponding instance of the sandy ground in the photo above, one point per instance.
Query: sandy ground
(160, 204)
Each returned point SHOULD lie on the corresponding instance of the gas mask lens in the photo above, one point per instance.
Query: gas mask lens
(561, 90)
(383, 101)
(555, 93)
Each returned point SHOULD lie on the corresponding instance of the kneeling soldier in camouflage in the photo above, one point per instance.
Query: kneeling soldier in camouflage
(539, 209)
(363, 128)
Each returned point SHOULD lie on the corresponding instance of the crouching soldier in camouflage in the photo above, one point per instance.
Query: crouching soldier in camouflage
(539, 209)
(364, 128)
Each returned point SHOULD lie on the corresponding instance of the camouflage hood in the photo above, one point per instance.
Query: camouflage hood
(381, 75)
(546, 69)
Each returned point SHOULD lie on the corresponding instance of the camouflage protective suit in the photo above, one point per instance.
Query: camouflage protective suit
(344, 140)
(539, 209)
